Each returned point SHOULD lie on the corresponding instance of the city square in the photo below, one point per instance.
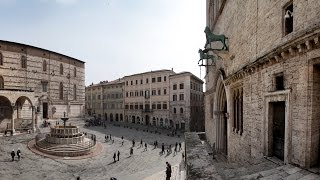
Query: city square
(142, 164)
(154, 90)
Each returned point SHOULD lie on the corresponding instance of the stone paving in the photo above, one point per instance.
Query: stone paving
(142, 165)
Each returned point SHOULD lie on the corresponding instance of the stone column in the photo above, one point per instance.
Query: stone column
(33, 119)
(12, 119)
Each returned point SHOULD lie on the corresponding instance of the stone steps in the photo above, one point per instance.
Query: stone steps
(69, 148)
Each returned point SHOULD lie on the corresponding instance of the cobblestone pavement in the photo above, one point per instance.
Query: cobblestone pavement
(142, 165)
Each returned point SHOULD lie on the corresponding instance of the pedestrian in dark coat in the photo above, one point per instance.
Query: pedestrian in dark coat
(168, 171)
(13, 154)
(118, 155)
(162, 148)
(131, 151)
(145, 147)
(114, 157)
(179, 146)
(18, 154)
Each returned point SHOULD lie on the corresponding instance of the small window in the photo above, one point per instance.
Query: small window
(288, 19)
(74, 92)
(147, 81)
(174, 110)
(153, 106)
(44, 66)
(164, 91)
(141, 81)
(159, 92)
(136, 81)
(181, 110)
(159, 79)
(174, 87)
(153, 80)
(181, 97)
(131, 82)
(127, 83)
(164, 106)
(158, 106)
(153, 92)
(61, 69)
(165, 78)
(44, 87)
(61, 91)
(23, 62)
(181, 86)
(75, 72)
(279, 82)
(1, 83)
(174, 97)
(1, 59)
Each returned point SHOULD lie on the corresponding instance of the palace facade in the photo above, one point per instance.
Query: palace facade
(262, 94)
(157, 98)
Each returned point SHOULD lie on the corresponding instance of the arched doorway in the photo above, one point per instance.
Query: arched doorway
(111, 117)
(138, 120)
(117, 117)
(121, 117)
(154, 121)
(133, 119)
(221, 120)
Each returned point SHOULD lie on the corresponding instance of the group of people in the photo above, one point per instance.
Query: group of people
(13, 154)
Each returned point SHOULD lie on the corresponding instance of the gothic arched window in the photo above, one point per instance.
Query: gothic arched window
(44, 65)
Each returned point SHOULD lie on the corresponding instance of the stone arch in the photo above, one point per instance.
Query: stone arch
(6, 112)
(111, 117)
(24, 113)
(154, 122)
(117, 117)
(161, 122)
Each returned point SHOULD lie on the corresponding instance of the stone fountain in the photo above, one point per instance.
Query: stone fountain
(65, 141)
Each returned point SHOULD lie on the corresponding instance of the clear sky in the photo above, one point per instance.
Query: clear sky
(114, 37)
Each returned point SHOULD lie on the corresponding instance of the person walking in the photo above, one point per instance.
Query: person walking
(105, 137)
(114, 157)
(131, 151)
(180, 146)
(141, 143)
(13, 154)
(19, 154)
(168, 171)
(118, 155)
(162, 148)
(133, 142)
(145, 147)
